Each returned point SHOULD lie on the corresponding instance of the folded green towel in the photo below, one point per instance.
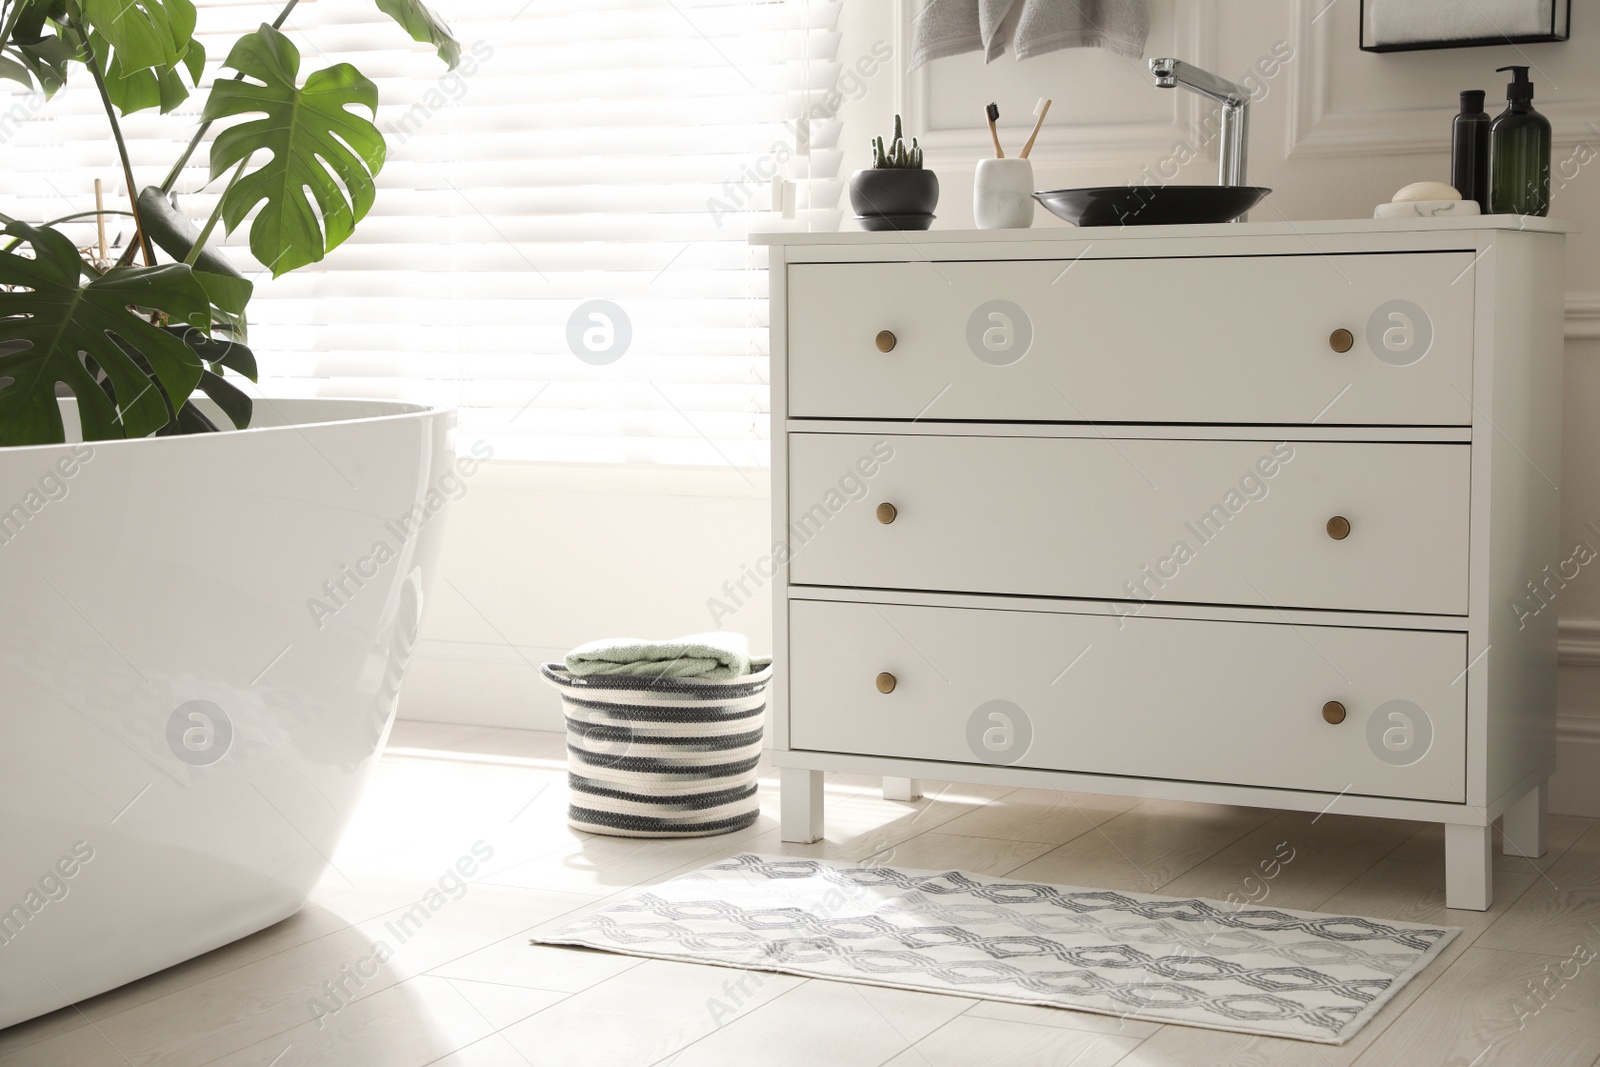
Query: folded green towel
(714, 657)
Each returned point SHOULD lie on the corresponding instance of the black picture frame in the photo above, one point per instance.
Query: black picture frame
(1560, 30)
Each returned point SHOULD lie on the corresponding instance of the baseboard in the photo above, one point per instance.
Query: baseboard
(476, 684)
(1575, 787)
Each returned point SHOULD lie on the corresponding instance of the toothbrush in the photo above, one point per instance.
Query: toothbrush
(1040, 110)
(994, 117)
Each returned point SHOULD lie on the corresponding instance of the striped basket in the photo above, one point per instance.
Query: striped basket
(662, 757)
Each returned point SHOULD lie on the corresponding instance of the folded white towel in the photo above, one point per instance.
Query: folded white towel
(1410, 21)
(1049, 25)
(950, 27)
(714, 657)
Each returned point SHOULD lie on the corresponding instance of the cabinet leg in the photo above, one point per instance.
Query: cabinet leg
(1522, 826)
(799, 804)
(1468, 879)
(902, 789)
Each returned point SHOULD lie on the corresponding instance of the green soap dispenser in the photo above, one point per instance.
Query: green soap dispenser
(1519, 153)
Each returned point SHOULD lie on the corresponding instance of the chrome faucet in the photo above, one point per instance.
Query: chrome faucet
(1235, 101)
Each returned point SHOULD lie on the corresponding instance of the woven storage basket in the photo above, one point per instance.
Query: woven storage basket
(662, 757)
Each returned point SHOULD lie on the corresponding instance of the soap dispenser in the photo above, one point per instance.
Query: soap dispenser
(1469, 150)
(1519, 152)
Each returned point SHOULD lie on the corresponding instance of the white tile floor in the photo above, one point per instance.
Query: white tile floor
(465, 989)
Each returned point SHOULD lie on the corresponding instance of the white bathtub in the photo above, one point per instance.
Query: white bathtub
(187, 711)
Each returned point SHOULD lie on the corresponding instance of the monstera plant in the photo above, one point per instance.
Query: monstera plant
(134, 340)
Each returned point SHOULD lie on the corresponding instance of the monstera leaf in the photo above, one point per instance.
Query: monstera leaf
(175, 234)
(36, 58)
(40, 64)
(315, 142)
(52, 316)
(30, 18)
(424, 26)
(235, 403)
(144, 33)
(144, 87)
(142, 45)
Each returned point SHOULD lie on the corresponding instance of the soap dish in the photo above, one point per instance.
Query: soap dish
(1426, 209)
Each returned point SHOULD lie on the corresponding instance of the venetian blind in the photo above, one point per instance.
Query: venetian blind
(558, 240)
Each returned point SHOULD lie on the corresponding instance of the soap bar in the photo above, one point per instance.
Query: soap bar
(1425, 191)
(1426, 209)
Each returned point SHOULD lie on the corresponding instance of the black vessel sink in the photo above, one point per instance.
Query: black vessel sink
(1151, 205)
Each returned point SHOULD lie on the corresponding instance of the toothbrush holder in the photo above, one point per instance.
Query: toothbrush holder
(1002, 194)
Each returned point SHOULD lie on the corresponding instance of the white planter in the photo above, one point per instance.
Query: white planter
(186, 730)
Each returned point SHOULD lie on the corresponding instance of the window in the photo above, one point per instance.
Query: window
(558, 240)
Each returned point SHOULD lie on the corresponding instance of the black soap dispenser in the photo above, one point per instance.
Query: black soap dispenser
(1469, 150)
(1519, 153)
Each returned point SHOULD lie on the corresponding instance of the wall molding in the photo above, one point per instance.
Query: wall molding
(1578, 643)
(1581, 728)
(1110, 144)
(1583, 316)
(1315, 129)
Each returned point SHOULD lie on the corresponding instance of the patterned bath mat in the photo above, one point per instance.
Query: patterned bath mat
(1293, 974)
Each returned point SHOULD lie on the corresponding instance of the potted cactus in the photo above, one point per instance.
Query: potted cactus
(896, 192)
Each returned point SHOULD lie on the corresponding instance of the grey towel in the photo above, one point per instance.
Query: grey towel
(1048, 25)
(950, 27)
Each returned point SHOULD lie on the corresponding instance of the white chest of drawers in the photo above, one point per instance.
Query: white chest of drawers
(1251, 514)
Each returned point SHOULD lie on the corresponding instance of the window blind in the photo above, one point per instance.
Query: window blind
(558, 240)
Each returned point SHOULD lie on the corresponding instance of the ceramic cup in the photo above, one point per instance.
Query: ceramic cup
(1002, 194)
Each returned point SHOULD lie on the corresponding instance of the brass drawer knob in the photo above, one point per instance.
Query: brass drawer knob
(1338, 527)
(1333, 712)
(885, 682)
(886, 513)
(886, 341)
(1341, 340)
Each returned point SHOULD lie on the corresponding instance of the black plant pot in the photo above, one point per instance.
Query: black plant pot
(880, 191)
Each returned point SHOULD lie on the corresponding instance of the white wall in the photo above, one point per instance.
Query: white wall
(541, 559)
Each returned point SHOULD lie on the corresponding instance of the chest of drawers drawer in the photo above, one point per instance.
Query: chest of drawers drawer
(1340, 525)
(1286, 339)
(1167, 698)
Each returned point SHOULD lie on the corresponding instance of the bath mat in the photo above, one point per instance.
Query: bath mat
(1194, 962)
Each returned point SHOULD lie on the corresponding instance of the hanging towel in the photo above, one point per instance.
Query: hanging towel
(1049, 25)
(714, 657)
(1410, 21)
(950, 27)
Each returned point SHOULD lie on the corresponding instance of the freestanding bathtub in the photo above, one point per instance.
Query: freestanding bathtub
(201, 645)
